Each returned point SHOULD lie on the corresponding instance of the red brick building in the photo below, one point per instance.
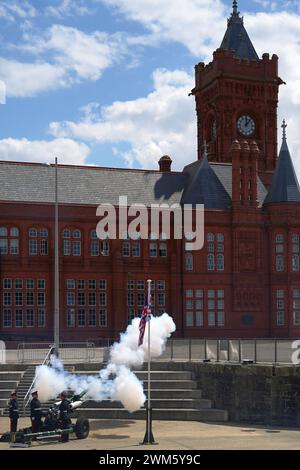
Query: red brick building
(245, 281)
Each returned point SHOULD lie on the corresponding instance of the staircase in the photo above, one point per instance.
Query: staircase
(174, 394)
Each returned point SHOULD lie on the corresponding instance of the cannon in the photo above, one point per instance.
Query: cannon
(52, 426)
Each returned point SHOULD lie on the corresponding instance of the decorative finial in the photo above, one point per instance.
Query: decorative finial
(235, 7)
(284, 126)
(205, 146)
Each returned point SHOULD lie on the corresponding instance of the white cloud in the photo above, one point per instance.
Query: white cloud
(66, 150)
(161, 123)
(29, 79)
(72, 56)
(11, 10)
(68, 8)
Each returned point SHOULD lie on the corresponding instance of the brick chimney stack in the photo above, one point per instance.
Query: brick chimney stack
(165, 164)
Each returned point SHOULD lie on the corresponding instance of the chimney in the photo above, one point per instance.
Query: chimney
(165, 164)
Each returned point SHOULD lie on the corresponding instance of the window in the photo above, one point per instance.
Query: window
(81, 298)
(92, 284)
(296, 306)
(126, 248)
(7, 299)
(140, 299)
(130, 284)
(41, 284)
(29, 318)
(189, 318)
(210, 262)
(9, 241)
(199, 318)
(19, 318)
(216, 306)
(215, 246)
(161, 285)
(81, 317)
(71, 242)
(18, 284)
(41, 299)
(76, 248)
(140, 285)
(70, 298)
(38, 241)
(7, 283)
(80, 284)
(102, 299)
(279, 250)
(102, 317)
(189, 262)
(105, 248)
(41, 318)
(7, 318)
(92, 317)
(279, 263)
(161, 299)
(194, 307)
(295, 263)
(163, 250)
(71, 318)
(70, 284)
(153, 249)
(92, 298)
(29, 284)
(136, 249)
(102, 284)
(220, 262)
(30, 298)
(95, 243)
(32, 247)
(19, 298)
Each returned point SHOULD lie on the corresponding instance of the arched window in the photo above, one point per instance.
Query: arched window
(210, 262)
(215, 250)
(9, 241)
(220, 262)
(98, 247)
(38, 241)
(189, 262)
(71, 242)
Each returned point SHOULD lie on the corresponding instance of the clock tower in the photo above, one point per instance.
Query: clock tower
(237, 98)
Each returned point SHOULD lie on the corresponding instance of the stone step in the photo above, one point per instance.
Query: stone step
(156, 366)
(10, 375)
(156, 403)
(8, 384)
(155, 375)
(5, 393)
(212, 415)
(13, 367)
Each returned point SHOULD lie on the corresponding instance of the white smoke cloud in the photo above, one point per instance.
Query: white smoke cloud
(116, 382)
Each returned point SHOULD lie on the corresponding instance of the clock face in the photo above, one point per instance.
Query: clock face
(246, 125)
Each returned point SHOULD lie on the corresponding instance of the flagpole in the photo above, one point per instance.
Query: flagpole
(148, 438)
(149, 358)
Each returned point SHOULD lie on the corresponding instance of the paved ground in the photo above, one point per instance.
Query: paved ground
(174, 435)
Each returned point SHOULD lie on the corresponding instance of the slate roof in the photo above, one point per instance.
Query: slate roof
(236, 37)
(285, 185)
(202, 182)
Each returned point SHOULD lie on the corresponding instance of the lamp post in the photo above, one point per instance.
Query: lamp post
(56, 266)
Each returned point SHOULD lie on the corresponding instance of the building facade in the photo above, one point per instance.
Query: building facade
(245, 282)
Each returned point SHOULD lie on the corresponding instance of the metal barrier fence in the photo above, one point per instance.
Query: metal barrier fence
(273, 351)
(68, 352)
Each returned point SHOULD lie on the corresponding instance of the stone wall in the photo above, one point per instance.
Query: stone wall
(252, 393)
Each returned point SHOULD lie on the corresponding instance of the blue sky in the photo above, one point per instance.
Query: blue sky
(106, 82)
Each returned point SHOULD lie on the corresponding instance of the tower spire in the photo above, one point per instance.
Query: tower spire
(284, 126)
(235, 7)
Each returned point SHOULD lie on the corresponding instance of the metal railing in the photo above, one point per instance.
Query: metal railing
(274, 351)
(68, 352)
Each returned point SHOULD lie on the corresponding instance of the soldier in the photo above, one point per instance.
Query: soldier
(35, 412)
(13, 412)
(64, 410)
